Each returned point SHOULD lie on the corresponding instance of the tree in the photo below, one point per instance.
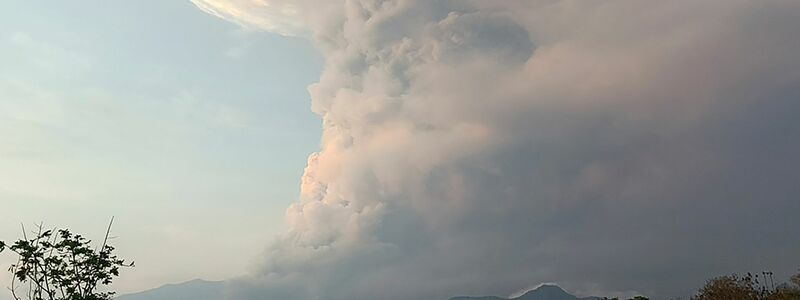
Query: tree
(748, 288)
(731, 287)
(59, 265)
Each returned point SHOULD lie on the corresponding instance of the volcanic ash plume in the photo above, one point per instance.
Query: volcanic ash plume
(479, 147)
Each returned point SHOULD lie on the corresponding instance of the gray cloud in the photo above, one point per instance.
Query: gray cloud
(482, 147)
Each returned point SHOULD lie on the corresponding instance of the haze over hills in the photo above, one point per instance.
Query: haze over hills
(191, 290)
(215, 290)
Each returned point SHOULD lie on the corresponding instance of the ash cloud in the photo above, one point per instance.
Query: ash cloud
(479, 147)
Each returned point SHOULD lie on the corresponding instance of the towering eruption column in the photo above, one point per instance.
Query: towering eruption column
(481, 147)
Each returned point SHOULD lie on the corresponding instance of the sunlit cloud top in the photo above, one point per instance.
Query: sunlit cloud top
(279, 17)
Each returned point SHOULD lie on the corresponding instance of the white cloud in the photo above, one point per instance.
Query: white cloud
(281, 17)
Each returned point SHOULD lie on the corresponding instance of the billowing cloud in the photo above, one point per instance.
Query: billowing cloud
(480, 147)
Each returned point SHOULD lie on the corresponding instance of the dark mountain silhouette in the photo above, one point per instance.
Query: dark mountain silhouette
(544, 292)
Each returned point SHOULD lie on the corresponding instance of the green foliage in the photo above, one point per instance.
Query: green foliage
(60, 265)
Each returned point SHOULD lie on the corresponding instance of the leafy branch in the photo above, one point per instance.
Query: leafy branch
(60, 265)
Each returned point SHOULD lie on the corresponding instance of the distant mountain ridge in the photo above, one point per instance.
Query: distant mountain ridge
(543, 292)
(215, 290)
(191, 290)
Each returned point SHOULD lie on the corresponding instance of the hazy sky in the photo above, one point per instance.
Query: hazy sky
(459, 146)
(190, 130)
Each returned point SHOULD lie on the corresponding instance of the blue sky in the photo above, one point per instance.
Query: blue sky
(189, 129)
